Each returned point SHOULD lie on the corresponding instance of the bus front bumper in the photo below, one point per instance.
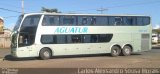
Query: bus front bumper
(13, 52)
(16, 54)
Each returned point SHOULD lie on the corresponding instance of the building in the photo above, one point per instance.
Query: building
(5, 41)
(4, 35)
(1, 25)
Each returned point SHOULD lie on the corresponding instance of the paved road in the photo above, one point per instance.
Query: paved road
(149, 59)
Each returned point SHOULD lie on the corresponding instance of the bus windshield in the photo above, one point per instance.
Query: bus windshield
(18, 23)
(28, 30)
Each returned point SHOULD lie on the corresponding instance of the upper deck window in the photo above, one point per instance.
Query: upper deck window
(91, 20)
(119, 21)
(68, 20)
(130, 21)
(146, 20)
(50, 20)
(141, 21)
(18, 23)
(84, 21)
(101, 20)
(31, 21)
(111, 21)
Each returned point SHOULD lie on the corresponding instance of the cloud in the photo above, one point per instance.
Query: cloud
(157, 26)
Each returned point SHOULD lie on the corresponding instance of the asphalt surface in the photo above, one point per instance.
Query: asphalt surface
(150, 59)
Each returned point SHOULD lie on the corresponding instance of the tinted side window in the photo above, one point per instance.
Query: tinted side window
(130, 21)
(76, 38)
(61, 39)
(94, 38)
(146, 20)
(119, 21)
(83, 20)
(68, 20)
(102, 38)
(111, 21)
(48, 39)
(31, 21)
(86, 38)
(102, 21)
(67, 39)
(49, 20)
(105, 37)
(139, 21)
(93, 21)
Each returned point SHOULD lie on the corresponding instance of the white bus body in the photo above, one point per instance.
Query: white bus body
(53, 34)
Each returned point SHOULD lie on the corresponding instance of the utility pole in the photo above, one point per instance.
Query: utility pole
(22, 6)
(102, 9)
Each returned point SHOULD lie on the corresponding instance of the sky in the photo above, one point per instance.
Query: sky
(11, 9)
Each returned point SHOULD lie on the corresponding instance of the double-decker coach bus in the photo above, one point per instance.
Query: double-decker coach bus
(53, 34)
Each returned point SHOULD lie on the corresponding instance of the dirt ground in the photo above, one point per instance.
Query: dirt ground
(145, 62)
(150, 59)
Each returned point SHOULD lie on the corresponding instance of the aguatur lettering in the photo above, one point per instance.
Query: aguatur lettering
(71, 30)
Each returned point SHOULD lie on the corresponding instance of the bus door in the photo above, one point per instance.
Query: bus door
(25, 44)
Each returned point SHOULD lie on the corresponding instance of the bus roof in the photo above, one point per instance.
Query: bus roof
(82, 14)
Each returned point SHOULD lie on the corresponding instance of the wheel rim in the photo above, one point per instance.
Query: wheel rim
(127, 50)
(46, 54)
(115, 51)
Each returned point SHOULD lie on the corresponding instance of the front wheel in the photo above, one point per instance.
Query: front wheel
(115, 51)
(45, 54)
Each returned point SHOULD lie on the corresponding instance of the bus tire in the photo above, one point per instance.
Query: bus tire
(45, 54)
(126, 51)
(115, 51)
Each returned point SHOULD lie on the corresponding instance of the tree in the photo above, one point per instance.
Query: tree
(50, 10)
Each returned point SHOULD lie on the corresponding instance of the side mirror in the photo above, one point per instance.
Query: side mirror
(14, 32)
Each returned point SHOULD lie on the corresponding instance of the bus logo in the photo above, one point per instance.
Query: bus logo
(71, 30)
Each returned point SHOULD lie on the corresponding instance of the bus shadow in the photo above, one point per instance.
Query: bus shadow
(10, 58)
(158, 47)
(81, 56)
(91, 55)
